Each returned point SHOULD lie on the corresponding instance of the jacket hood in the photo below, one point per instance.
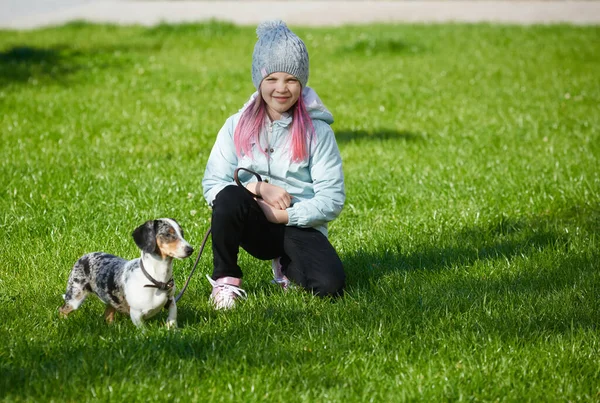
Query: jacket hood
(314, 106)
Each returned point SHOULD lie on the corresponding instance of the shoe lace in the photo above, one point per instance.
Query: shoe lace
(278, 276)
(227, 292)
(283, 282)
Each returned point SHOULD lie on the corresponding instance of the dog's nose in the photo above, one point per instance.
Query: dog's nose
(189, 250)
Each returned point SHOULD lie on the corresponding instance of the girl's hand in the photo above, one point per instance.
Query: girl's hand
(273, 214)
(275, 196)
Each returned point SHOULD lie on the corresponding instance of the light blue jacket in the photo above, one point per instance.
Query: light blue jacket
(316, 185)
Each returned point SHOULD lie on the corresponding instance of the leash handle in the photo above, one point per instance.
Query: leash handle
(239, 183)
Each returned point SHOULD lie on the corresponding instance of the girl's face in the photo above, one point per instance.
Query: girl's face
(280, 92)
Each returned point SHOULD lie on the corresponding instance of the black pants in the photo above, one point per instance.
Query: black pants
(307, 257)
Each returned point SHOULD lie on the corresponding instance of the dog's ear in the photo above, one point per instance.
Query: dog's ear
(145, 236)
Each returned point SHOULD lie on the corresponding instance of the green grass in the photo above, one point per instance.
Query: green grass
(470, 233)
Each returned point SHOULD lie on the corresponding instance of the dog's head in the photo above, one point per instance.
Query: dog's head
(163, 237)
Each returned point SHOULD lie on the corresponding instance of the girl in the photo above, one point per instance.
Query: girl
(283, 134)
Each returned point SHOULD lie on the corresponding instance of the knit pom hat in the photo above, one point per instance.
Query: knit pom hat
(278, 50)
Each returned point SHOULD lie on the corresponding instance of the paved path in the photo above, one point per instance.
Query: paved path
(25, 14)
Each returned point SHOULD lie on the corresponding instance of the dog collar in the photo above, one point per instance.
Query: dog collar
(156, 284)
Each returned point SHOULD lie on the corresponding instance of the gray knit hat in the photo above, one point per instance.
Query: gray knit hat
(278, 50)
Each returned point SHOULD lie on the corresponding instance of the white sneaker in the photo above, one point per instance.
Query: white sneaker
(278, 276)
(225, 291)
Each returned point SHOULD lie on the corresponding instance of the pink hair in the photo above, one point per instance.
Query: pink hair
(251, 125)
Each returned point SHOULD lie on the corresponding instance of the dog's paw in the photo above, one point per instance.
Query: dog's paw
(64, 311)
(171, 324)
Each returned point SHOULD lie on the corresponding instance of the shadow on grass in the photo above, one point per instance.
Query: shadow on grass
(346, 136)
(55, 64)
(505, 239)
(374, 46)
(540, 267)
(98, 357)
(21, 63)
(198, 31)
(91, 365)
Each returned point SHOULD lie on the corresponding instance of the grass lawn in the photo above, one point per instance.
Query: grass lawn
(470, 233)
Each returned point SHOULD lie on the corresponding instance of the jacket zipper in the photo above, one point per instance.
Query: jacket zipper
(268, 150)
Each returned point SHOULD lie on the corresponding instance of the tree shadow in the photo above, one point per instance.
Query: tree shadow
(198, 31)
(347, 136)
(91, 356)
(20, 63)
(506, 239)
(380, 45)
(547, 265)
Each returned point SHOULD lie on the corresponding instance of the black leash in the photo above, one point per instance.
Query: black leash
(237, 180)
(178, 297)
(239, 183)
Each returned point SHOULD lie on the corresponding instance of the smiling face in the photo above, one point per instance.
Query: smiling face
(280, 92)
